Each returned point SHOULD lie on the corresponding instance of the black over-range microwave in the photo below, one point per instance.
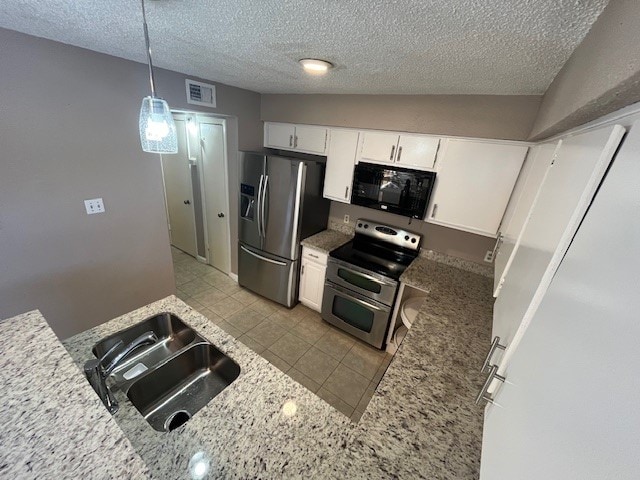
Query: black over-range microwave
(393, 189)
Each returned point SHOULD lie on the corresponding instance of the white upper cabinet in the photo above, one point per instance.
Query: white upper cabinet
(409, 151)
(298, 138)
(474, 182)
(417, 152)
(341, 158)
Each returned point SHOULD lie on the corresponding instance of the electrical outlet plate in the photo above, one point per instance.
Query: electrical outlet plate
(346, 219)
(94, 205)
(488, 257)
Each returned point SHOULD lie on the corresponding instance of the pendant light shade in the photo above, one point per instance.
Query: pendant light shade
(157, 128)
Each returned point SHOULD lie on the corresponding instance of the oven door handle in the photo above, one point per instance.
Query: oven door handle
(353, 298)
(362, 274)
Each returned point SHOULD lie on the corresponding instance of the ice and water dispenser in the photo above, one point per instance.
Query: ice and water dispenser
(247, 201)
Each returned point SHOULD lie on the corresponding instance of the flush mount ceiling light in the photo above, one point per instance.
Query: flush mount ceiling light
(314, 66)
(157, 128)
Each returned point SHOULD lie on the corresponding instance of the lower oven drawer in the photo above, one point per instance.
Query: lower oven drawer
(368, 284)
(362, 317)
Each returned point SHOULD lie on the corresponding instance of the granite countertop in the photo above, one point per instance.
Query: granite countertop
(326, 240)
(54, 425)
(421, 423)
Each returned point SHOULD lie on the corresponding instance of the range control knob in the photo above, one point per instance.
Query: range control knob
(406, 237)
(360, 225)
(366, 225)
(413, 240)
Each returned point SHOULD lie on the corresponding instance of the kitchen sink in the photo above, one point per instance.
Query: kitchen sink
(172, 333)
(165, 368)
(170, 395)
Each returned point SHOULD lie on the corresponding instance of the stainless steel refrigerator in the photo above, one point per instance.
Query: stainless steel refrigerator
(281, 203)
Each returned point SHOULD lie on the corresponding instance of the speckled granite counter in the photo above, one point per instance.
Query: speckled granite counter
(421, 422)
(54, 425)
(327, 240)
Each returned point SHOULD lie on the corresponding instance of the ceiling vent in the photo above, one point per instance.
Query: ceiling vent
(201, 93)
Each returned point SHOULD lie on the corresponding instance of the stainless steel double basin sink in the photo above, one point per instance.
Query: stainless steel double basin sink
(168, 377)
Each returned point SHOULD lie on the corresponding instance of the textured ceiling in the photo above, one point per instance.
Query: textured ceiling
(378, 46)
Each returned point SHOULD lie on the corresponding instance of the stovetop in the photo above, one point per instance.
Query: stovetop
(380, 249)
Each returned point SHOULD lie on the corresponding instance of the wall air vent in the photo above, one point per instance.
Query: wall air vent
(201, 93)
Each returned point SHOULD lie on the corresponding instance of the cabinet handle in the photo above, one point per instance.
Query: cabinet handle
(295, 141)
(393, 149)
(302, 270)
(497, 245)
(291, 140)
(482, 395)
(494, 346)
(313, 256)
(399, 153)
(346, 191)
(435, 209)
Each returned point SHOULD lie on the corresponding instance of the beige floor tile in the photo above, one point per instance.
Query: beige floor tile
(382, 369)
(230, 329)
(347, 385)
(335, 343)
(335, 402)
(279, 319)
(290, 348)
(356, 415)
(264, 306)
(246, 297)
(316, 365)
(195, 286)
(193, 303)
(303, 380)
(210, 297)
(214, 317)
(310, 330)
(252, 344)
(230, 288)
(182, 278)
(363, 359)
(267, 333)
(181, 295)
(226, 307)
(198, 268)
(366, 396)
(276, 361)
(246, 319)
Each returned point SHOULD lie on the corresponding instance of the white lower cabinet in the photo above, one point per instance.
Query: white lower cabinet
(313, 268)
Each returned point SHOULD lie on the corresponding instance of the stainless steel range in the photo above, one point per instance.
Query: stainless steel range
(362, 279)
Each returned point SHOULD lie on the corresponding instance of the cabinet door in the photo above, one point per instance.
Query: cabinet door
(279, 135)
(311, 284)
(341, 157)
(379, 147)
(310, 139)
(417, 152)
(475, 180)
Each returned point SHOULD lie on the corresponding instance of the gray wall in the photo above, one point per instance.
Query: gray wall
(68, 132)
(435, 237)
(601, 76)
(487, 116)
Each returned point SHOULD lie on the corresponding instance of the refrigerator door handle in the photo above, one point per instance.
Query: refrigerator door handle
(282, 264)
(258, 206)
(262, 205)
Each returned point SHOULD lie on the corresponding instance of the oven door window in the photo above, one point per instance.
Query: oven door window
(353, 313)
(359, 281)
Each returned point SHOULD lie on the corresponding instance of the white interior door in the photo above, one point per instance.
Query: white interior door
(216, 197)
(524, 194)
(569, 408)
(565, 195)
(179, 195)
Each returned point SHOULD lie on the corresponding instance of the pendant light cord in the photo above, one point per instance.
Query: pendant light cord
(146, 39)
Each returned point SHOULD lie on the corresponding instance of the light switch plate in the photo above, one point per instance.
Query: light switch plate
(94, 205)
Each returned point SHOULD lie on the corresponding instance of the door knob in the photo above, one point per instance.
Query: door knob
(187, 202)
(221, 215)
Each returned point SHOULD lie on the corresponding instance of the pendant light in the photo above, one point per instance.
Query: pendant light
(157, 128)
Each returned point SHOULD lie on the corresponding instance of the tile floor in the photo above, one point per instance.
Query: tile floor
(335, 366)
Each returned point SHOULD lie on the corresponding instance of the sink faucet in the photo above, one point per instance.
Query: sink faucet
(97, 372)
